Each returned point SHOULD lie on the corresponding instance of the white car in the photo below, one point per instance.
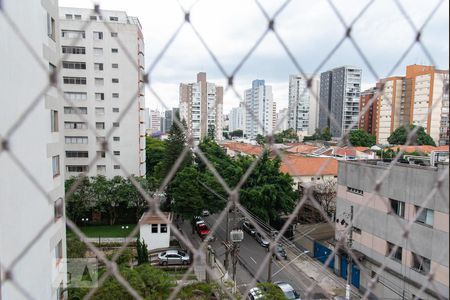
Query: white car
(288, 290)
(205, 213)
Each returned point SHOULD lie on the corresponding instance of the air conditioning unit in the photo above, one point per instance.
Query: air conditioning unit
(236, 235)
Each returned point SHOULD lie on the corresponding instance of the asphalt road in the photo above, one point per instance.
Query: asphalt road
(251, 256)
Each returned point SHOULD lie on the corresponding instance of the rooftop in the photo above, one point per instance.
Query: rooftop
(153, 218)
(295, 165)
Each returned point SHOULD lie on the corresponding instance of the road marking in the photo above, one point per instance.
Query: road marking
(253, 259)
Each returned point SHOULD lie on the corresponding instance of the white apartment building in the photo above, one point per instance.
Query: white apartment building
(259, 103)
(237, 118)
(99, 78)
(32, 225)
(155, 120)
(201, 106)
(304, 104)
(283, 119)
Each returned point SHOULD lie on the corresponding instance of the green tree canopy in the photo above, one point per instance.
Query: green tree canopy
(400, 136)
(154, 153)
(81, 201)
(237, 133)
(359, 137)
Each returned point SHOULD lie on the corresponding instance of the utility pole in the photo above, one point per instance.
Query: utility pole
(227, 244)
(349, 247)
(269, 271)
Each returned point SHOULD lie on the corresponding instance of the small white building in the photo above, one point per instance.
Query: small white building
(155, 231)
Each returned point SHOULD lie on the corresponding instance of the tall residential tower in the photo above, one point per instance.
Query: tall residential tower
(259, 114)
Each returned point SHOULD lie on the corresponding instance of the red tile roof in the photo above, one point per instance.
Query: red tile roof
(423, 148)
(302, 148)
(296, 165)
(243, 148)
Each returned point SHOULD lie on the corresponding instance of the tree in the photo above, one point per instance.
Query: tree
(400, 136)
(268, 193)
(270, 291)
(359, 137)
(109, 194)
(260, 139)
(80, 202)
(134, 198)
(325, 135)
(76, 248)
(175, 145)
(142, 251)
(325, 194)
(288, 135)
(154, 153)
(237, 133)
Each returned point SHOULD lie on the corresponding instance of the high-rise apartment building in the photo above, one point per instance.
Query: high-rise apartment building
(259, 113)
(304, 104)
(403, 263)
(99, 79)
(368, 105)
(201, 106)
(339, 98)
(283, 119)
(155, 120)
(274, 115)
(236, 118)
(32, 225)
(419, 98)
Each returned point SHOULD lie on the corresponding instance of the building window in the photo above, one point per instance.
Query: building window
(114, 50)
(51, 27)
(74, 65)
(115, 95)
(58, 252)
(55, 165)
(70, 110)
(75, 125)
(116, 167)
(60, 292)
(116, 124)
(115, 66)
(356, 230)
(98, 51)
(99, 96)
(115, 80)
(99, 110)
(100, 139)
(69, 17)
(115, 109)
(420, 264)
(54, 120)
(73, 50)
(114, 34)
(117, 153)
(75, 96)
(73, 34)
(100, 125)
(163, 228)
(98, 66)
(99, 81)
(101, 168)
(77, 154)
(93, 18)
(77, 169)
(114, 18)
(396, 255)
(116, 138)
(154, 228)
(74, 80)
(355, 191)
(76, 139)
(425, 217)
(77, 17)
(98, 35)
(398, 207)
(58, 208)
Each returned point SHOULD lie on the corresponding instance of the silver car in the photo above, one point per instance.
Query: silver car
(174, 257)
(261, 240)
(288, 290)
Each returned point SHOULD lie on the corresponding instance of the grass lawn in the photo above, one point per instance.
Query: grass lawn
(105, 231)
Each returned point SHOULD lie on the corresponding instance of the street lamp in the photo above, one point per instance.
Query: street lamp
(236, 236)
(84, 220)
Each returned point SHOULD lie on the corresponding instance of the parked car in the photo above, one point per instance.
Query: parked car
(174, 257)
(279, 252)
(249, 228)
(288, 290)
(254, 294)
(202, 229)
(205, 213)
(261, 240)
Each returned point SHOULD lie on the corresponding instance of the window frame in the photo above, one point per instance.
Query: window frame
(56, 166)
(54, 121)
(401, 207)
(154, 228)
(58, 208)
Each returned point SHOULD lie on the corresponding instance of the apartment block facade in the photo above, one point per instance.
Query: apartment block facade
(201, 106)
(339, 99)
(103, 90)
(236, 118)
(33, 229)
(304, 104)
(402, 262)
(368, 110)
(259, 113)
(155, 120)
(283, 119)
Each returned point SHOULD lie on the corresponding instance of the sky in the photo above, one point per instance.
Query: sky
(310, 29)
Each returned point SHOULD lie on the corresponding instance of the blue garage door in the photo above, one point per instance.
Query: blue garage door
(355, 272)
(322, 253)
